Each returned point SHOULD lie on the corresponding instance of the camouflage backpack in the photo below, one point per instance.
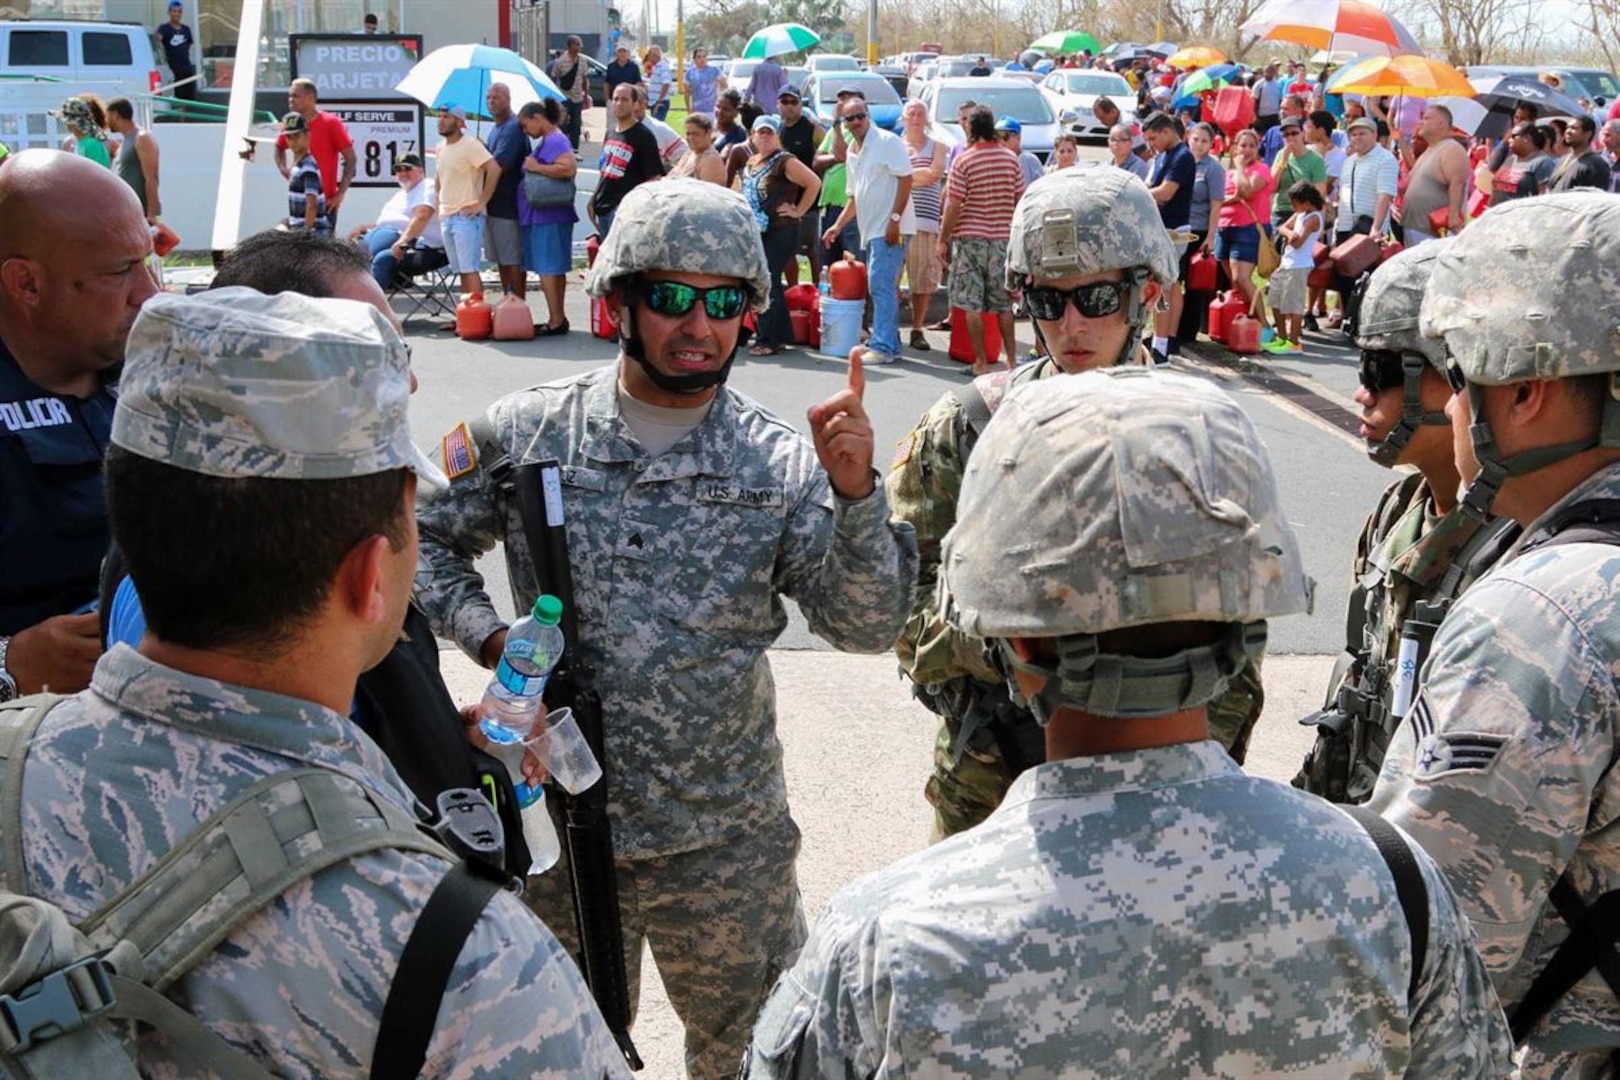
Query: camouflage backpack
(62, 985)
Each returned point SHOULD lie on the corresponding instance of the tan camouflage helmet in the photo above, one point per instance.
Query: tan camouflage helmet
(1528, 290)
(1117, 498)
(1088, 220)
(683, 225)
(1114, 498)
(1388, 318)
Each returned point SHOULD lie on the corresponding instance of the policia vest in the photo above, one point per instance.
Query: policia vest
(1408, 571)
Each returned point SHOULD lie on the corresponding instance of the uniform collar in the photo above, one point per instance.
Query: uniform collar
(1603, 484)
(710, 450)
(1113, 774)
(285, 726)
(15, 381)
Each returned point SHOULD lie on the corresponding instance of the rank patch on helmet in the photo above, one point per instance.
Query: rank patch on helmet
(460, 458)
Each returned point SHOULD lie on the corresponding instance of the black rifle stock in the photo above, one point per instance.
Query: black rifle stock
(587, 832)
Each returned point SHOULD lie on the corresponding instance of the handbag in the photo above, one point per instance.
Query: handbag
(542, 191)
(1270, 258)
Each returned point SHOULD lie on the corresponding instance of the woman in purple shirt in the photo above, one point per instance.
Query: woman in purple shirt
(548, 231)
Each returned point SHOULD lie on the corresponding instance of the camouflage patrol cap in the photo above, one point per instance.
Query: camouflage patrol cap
(1114, 498)
(683, 225)
(1528, 291)
(75, 113)
(1394, 297)
(234, 383)
(1085, 221)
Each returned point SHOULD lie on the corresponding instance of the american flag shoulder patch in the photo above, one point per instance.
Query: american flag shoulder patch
(460, 457)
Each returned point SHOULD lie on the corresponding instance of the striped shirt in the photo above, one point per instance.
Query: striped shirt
(302, 182)
(1366, 176)
(926, 202)
(987, 180)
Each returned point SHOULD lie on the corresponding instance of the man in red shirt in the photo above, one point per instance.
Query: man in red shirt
(985, 183)
(328, 141)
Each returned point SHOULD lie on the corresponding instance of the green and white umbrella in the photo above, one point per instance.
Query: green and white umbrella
(1066, 41)
(780, 39)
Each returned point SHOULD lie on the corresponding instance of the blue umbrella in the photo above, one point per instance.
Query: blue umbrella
(460, 75)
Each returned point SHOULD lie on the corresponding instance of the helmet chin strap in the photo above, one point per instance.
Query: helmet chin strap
(686, 385)
(1413, 416)
(1494, 470)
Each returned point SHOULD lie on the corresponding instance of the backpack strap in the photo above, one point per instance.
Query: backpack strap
(281, 830)
(1410, 888)
(19, 719)
(1593, 931)
(425, 967)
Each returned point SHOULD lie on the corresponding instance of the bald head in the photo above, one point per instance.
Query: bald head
(71, 282)
(43, 194)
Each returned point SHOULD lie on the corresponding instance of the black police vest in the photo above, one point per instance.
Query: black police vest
(53, 517)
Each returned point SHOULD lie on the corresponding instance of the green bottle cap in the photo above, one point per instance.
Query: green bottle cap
(547, 610)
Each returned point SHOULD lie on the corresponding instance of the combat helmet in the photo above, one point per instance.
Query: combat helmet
(681, 225)
(1118, 498)
(1393, 348)
(1526, 292)
(1089, 220)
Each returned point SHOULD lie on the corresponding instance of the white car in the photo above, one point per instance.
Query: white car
(1073, 92)
(1006, 96)
(819, 63)
(921, 76)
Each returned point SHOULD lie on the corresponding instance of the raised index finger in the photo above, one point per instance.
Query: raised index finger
(857, 374)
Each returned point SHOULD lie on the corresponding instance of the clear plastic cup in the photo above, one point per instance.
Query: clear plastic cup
(567, 757)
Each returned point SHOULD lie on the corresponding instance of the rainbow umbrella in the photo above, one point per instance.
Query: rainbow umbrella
(1210, 78)
(1333, 25)
(1197, 56)
(1412, 76)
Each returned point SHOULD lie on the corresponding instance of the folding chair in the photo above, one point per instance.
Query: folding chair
(425, 283)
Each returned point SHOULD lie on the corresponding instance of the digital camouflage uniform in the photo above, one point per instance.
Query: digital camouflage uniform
(1504, 770)
(118, 775)
(950, 668)
(680, 564)
(1411, 561)
(1148, 913)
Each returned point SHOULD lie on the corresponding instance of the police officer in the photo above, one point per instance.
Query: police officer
(70, 286)
(1137, 906)
(261, 484)
(1093, 259)
(1504, 767)
(691, 511)
(1417, 550)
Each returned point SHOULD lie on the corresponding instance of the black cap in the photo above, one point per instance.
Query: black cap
(845, 91)
(407, 161)
(294, 124)
(788, 92)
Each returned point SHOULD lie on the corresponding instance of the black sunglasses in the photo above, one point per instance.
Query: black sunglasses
(674, 298)
(1095, 301)
(1381, 370)
(850, 118)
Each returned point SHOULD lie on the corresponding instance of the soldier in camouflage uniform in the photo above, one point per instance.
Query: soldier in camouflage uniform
(1504, 767)
(1417, 551)
(248, 429)
(1137, 906)
(691, 512)
(1081, 228)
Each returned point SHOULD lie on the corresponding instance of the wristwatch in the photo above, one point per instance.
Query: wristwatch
(8, 685)
(894, 218)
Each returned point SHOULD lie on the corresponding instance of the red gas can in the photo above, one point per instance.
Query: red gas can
(1243, 335)
(801, 320)
(603, 324)
(592, 246)
(512, 320)
(961, 347)
(802, 298)
(474, 320)
(1201, 273)
(1221, 310)
(848, 279)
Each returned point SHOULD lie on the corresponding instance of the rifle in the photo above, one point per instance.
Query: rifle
(587, 832)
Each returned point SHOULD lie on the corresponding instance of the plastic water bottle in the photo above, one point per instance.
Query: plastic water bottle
(825, 286)
(533, 647)
(511, 703)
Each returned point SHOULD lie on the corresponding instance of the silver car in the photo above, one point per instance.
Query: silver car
(1074, 91)
(1006, 96)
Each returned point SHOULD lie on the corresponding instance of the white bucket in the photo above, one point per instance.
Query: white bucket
(840, 325)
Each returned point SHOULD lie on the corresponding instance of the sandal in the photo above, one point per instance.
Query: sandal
(542, 330)
(765, 350)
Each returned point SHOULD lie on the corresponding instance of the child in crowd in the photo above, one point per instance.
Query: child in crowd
(1299, 236)
(306, 203)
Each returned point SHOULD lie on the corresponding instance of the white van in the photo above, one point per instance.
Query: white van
(110, 59)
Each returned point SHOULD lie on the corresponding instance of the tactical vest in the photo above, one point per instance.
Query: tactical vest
(1375, 677)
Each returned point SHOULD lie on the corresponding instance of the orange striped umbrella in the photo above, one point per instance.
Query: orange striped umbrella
(1414, 76)
(1352, 25)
